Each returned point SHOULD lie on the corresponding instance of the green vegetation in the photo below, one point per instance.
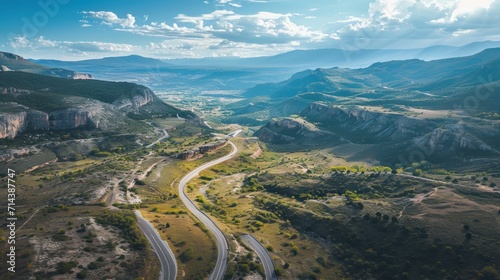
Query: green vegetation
(362, 186)
(126, 221)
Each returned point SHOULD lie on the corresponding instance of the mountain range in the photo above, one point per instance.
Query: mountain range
(386, 111)
(234, 73)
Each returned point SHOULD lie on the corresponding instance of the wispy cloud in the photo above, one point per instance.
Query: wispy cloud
(262, 27)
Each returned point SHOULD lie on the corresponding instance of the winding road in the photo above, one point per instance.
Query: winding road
(222, 243)
(161, 248)
(267, 263)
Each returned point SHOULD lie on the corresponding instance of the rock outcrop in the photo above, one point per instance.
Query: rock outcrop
(287, 130)
(197, 152)
(142, 97)
(71, 118)
(91, 114)
(12, 123)
(366, 126)
(449, 140)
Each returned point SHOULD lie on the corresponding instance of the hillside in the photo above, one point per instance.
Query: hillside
(382, 137)
(34, 102)
(12, 62)
(411, 74)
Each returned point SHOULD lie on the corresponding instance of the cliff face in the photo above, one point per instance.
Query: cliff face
(37, 120)
(70, 118)
(92, 114)
(142, 97)
(11, 124)
(373, 126)
(452, 139)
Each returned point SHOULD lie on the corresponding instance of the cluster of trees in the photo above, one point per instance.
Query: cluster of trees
(363, 186)
(126, 221)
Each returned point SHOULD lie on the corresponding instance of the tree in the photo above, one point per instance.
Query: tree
(466, 227)
(488, 272)
(468, 235)
(492, 185)
(394, 219)
(417, 172)
(394, 171)
(186, 255)
(244, 268)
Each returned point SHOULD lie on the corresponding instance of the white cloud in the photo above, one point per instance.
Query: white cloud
(262, 27)
(466, 7)
(259, 28)
(395, 23)
(110, 18)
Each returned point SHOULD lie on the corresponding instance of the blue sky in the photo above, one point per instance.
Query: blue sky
(78, 29)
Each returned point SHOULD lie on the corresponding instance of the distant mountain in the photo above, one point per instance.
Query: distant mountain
(234, 73)
(325, 58)
(411, 74)
(161, 75)
(131, 61)
(12, 62)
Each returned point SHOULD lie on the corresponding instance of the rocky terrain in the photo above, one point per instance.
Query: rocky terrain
(374, 126)
(287, 130)
(390, 137)
(199, 151)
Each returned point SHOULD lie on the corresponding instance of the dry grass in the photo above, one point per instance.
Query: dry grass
(51, 238)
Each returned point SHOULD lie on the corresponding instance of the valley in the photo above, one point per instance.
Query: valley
(390, 171)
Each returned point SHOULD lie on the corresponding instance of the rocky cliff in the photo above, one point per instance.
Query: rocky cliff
(90, 114)
(449, 140)
(142, 97)
(366, 126)
(11, 124)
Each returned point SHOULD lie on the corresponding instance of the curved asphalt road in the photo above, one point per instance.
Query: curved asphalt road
(222, 243)
(164, 253)
(267, 263)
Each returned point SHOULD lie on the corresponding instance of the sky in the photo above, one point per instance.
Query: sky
(80, 29)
